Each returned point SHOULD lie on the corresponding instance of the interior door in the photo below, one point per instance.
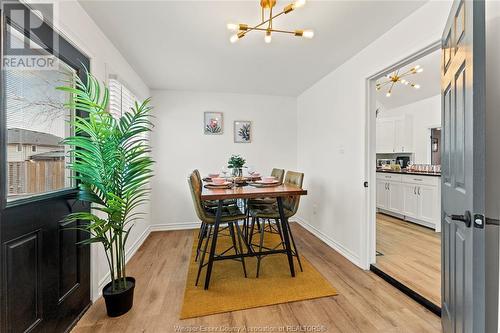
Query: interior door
(45, 280)
(463, 112)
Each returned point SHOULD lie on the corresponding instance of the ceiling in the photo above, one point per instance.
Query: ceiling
(429, 81)
(184, 45)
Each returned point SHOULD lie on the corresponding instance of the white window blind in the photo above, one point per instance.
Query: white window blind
(121, 99)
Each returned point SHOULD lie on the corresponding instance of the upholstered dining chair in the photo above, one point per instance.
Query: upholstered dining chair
(209, 205)
(259, 202)
(231, 214)
(261, 213)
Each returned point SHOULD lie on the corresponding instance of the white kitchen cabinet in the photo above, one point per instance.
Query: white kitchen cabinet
(428, 208)
(410, 200)
(385, 135)
(394, 135)
(395, 196)
(389, 193)
(416, 198)
(382, 194)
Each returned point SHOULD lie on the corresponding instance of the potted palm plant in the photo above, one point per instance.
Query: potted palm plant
(111, 163)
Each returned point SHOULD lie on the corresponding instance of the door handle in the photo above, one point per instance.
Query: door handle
(415, 190)
(466, 218)
(389, 186)
(419, 191)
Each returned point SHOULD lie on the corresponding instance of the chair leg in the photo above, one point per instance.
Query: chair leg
(261, 242)
(202, 259)
(250, 236)
(280, 232)
(201, 236)
(294, 247)
(236, 250)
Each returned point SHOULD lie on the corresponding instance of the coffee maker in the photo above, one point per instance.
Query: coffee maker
(404, 161)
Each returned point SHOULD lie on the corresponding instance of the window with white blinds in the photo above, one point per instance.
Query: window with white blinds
(121, 99)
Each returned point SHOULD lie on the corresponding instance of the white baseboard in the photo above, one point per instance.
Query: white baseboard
(174, 226)
(352, 257)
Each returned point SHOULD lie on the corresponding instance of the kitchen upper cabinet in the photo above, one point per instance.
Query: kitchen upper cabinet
(394, 135)
(385, 135)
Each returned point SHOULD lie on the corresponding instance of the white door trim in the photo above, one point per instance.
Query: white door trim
(368, 234)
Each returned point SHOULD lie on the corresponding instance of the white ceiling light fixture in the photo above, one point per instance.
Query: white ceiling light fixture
(266, 25)
(395, 78)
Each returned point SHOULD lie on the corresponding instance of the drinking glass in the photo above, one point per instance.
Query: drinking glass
(224, 171)
(251, 170)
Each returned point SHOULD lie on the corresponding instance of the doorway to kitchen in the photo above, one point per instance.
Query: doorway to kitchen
(404, 166)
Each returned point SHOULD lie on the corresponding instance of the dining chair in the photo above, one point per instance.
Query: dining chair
(270, 212)
(210, 205)
(258, 202)
(231, 214)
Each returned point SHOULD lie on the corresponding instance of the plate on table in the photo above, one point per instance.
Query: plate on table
(223, 185)
(265, 184)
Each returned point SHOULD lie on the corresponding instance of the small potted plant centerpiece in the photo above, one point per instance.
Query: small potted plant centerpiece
(236, 163)
(112, 167)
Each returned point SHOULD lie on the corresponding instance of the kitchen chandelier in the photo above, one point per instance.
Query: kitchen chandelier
(395, 78)
(266, 25)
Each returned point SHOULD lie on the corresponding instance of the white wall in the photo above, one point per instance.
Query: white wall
(331, 133)
(179, 145)
(425, 114)
(74, 23)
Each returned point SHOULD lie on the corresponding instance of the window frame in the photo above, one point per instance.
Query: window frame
(70, 55)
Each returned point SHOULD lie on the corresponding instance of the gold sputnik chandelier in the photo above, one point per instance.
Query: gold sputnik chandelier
(397, 78)
(266, 24)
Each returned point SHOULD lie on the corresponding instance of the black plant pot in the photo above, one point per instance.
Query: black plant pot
(121, 301)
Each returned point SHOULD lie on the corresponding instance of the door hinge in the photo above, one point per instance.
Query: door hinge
(365, 184)
(479, 221)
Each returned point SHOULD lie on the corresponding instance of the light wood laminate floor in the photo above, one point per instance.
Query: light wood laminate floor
(365, 302)
(411, 255)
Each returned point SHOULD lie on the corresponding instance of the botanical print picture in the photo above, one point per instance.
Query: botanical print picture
(242, 131)
(213, 123)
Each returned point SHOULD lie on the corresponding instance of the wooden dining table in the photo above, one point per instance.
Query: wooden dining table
(251, 192)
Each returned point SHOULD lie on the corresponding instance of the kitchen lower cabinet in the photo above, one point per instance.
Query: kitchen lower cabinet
(382, 194)
(415, 198)
(428, 210)
(410, 200)
(395, 197)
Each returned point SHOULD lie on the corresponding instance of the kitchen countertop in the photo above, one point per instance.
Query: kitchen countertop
(406, 172)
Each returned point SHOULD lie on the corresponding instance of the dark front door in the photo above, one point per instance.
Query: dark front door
(45, 280)
(463, 187)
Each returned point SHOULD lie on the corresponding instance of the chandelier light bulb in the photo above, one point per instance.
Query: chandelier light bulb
(388, 94)
(298, 4)
(233, 27)
(420, 70)
(308, 34)
(268, 37)
(234, 39)
(416, 86)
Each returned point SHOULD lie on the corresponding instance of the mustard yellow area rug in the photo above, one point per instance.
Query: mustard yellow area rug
(230, 291)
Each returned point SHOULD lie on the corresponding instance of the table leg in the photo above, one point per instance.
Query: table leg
(284, 228)
(218, 216)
